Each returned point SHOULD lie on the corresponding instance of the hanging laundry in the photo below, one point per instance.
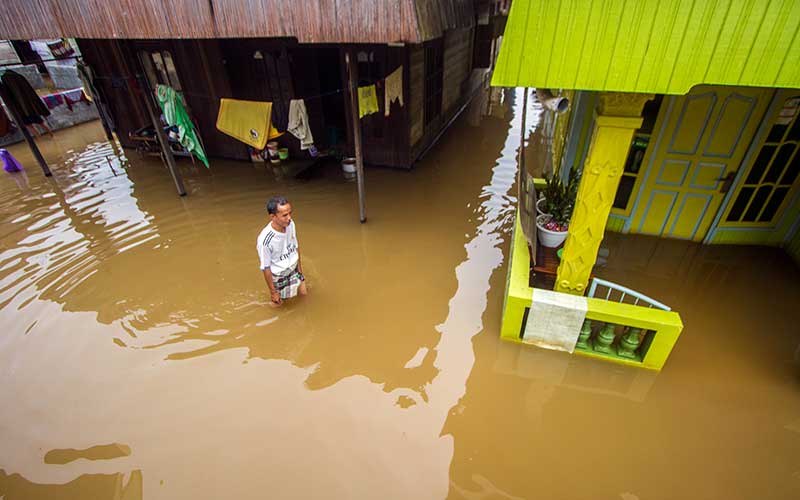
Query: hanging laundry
(175, 114)
(298, 123)
(367, 101)
(74, 96)
(53, 100)
(10, 164)
(23, 98)
(247, 121)
(394, 89)
(85, 75)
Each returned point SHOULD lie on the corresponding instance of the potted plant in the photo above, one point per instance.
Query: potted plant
(557, 207)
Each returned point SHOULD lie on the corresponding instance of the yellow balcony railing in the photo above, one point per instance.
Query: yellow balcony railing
(623, 333)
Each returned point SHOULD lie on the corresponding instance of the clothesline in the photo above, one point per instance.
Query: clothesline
(209, 97)
(28, 63)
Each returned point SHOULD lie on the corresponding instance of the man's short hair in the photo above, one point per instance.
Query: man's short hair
(274, 203)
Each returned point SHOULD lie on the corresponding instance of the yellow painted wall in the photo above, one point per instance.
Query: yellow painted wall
(651, 46)
(615, 224)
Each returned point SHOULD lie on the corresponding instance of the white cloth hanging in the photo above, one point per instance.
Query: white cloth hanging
(298, 123)
(394, 89)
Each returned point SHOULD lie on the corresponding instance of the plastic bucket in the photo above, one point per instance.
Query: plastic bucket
(349, 165)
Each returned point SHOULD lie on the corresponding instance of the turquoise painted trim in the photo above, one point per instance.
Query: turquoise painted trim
(686, 165)
(678, 124)
(670, 103)
(721, 167)
(647, 210)
(707, 197)
(743, 126)
(762, 130)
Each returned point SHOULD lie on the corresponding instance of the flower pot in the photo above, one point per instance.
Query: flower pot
(546, 237)
(540, 207)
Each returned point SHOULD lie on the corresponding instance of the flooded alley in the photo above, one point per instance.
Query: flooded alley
(140, 359)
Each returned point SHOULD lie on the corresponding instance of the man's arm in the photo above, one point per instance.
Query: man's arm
(299, 266)
(273, 293)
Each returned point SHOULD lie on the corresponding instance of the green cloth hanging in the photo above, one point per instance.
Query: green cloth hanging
(175, 113)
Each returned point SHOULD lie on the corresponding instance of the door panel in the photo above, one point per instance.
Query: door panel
(708, 131)
(658, 208)
(691, 212)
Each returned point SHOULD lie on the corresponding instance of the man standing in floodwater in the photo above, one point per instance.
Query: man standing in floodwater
(278, 251)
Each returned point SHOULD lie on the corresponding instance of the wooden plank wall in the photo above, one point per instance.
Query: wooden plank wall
(435, 17)
(199, 65)
(115, 79)
(416, 93)
(460, 83)
(457, 65)
(197, 62)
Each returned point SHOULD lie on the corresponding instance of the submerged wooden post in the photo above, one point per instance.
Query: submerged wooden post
(352, 83)
(166, 151)
(27, 135)
(521, 168)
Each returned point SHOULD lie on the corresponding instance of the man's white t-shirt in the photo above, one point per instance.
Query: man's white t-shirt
(277, 250)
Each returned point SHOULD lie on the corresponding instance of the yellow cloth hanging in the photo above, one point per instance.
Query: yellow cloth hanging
(367, 101)
(247, 121)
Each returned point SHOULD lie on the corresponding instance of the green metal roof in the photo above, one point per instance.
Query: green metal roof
(650, 46)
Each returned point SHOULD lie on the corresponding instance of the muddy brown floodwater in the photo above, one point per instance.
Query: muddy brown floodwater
(139, 358)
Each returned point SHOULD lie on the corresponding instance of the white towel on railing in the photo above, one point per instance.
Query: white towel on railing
(555, 320)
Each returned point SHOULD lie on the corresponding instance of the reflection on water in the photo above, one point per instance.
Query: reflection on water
(145, 315)
(105, 486)
(100, 452)
(131, 315)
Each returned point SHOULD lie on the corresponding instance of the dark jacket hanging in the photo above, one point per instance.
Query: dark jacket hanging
(23, 98)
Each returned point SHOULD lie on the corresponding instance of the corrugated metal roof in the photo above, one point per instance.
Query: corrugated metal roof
(651, 46)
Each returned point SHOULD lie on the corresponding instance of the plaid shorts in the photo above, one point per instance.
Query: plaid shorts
(288, 284)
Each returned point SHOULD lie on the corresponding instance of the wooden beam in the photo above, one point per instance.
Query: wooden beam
(352, 83)
(166, 151)
(27, 135)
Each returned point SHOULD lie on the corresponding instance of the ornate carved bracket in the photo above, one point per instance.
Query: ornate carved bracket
(622, 103)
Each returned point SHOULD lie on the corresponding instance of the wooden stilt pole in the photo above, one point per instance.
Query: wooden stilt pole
(353, 85)
(166, 151)
(27, 135)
